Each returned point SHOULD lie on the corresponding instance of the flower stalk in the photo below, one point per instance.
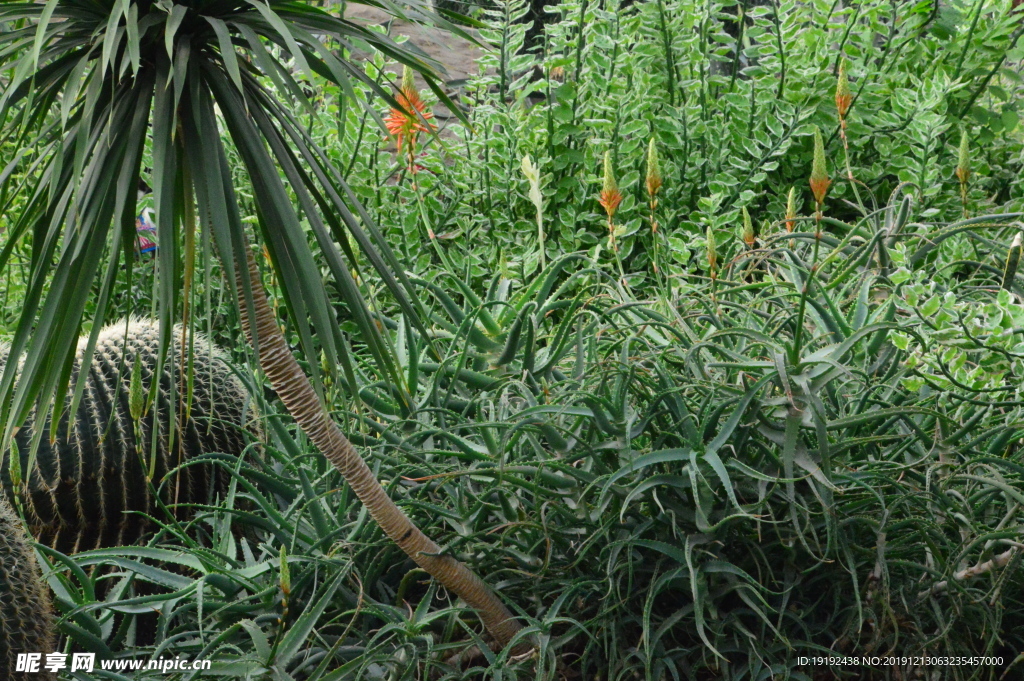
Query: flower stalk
(963, 168)
(791, 210)
(819, 187)
(819, 177)
(1012, 261)
(405, 124)
(844, 99)
(653, 182)
(712, 249)
(791, 214)
(747, 234)
(610, 198)
(712, 253)
(532, 174)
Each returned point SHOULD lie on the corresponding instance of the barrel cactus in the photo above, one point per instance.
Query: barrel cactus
(26, 625)
(91, 485)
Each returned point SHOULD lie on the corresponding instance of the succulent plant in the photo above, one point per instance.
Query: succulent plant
(26, 624)
(92, 484)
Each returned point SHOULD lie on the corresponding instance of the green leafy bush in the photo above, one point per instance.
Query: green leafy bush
(731, 116)
(693, 491)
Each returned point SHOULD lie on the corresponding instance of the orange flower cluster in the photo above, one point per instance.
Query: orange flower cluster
(403, 123)
(610, 200)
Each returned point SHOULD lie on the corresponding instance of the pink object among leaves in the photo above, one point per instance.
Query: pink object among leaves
(145, 233)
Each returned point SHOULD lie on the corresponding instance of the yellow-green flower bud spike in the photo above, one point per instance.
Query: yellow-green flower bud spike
(963, 166)
(748, 229)
(286, 575)
(791, 210)
(653, 169)
(844, 98)
(819, 174)
(1012, 261)
(712, 253)
(408, 84)
(532, 175)
(609, 185)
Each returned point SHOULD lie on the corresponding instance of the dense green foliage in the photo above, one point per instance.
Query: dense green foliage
(806, 444)
(733, 129)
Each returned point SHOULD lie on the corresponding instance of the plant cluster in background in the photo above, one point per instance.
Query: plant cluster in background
(730, 95)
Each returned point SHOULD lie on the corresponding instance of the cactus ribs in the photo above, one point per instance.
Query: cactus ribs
(88, 488)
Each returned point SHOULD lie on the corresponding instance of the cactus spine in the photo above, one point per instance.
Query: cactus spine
(113, 455)
(25, 617)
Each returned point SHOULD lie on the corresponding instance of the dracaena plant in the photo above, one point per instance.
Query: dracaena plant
(92, 87)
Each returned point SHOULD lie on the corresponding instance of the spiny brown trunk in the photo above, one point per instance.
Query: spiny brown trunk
(301, 401)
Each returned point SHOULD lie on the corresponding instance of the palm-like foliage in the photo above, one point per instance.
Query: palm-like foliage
(94, 86)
